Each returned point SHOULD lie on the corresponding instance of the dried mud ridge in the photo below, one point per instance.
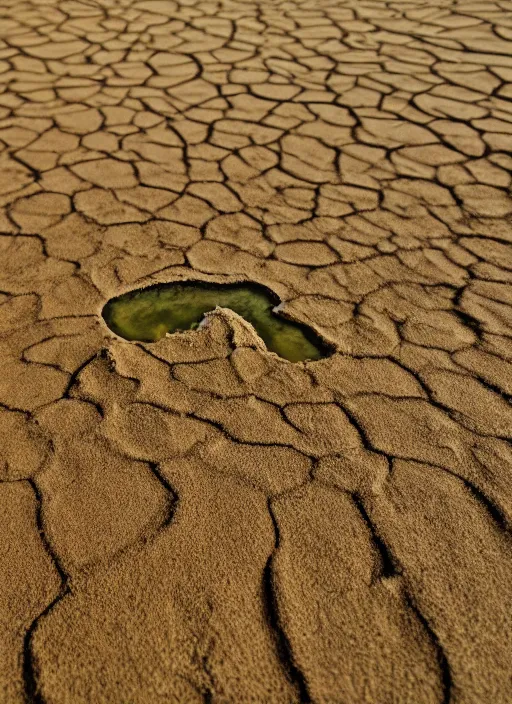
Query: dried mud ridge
(195, 519)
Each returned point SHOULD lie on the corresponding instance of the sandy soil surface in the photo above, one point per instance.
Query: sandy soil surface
(198, 519)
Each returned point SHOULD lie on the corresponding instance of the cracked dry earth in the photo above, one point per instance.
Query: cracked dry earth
(197, 519)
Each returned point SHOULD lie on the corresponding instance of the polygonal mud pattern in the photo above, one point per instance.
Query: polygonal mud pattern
(197, 520)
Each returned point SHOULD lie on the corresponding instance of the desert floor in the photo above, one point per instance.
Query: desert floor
(197, 519)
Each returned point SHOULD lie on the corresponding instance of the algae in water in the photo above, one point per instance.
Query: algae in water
(149, 314)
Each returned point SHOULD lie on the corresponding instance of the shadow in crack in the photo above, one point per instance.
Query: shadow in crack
(148, 314)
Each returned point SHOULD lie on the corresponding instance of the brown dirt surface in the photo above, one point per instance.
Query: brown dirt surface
(197, 519)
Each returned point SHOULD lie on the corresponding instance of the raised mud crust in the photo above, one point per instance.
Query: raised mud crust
(197, 520)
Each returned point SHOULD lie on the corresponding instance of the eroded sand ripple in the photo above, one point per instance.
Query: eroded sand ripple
(196, 519)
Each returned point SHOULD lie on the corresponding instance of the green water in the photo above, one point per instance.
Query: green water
(148, 314)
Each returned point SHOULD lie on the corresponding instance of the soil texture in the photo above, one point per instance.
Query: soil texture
(197, 519)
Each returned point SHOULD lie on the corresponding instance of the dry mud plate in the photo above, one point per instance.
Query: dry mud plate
(189, 516)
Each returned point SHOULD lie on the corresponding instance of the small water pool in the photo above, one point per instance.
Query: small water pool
(148, 314)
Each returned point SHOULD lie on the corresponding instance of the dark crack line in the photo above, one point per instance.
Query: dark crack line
(30, 665)
(271, 609)
(388, 565)
(442, 661)
(391, 567)
(173, 496)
